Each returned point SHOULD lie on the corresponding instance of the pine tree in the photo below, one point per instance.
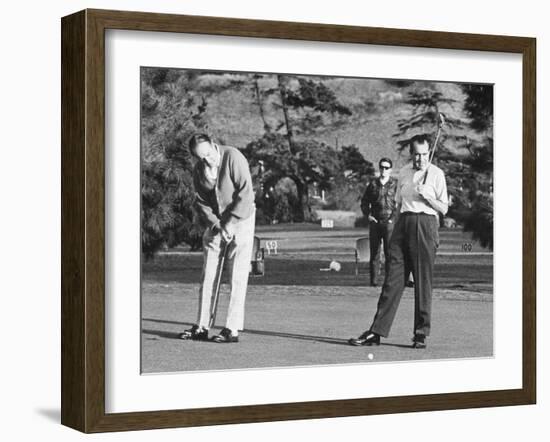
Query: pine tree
(290, 150)
(170, 113)
(478, 181)
(464, 151)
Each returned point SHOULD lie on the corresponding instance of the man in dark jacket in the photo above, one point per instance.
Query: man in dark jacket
(378, 205)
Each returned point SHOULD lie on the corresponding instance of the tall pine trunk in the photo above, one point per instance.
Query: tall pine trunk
(303, 210)
(289, 133)
(267, 127)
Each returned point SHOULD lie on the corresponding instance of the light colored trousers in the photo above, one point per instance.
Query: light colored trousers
(239, 254)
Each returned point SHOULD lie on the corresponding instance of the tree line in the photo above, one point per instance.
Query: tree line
(290, 155)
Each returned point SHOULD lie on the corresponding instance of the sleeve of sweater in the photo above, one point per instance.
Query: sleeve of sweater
(243, 197)
(205, 212)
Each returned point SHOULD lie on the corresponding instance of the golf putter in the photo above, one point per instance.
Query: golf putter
(216, 295)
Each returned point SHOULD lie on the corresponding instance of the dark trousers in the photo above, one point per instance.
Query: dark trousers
(412, 248)
(379, 233)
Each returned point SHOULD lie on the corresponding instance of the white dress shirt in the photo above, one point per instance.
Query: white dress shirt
(407, 194)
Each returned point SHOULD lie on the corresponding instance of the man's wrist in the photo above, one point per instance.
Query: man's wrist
(226, 225)
(432, 203)
(435, 204)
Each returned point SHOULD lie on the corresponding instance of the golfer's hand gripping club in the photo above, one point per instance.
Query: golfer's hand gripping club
(227, 232)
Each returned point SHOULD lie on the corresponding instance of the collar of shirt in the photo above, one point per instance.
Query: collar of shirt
(380, 183)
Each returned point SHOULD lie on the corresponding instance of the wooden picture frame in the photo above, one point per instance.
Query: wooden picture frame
(83, 220)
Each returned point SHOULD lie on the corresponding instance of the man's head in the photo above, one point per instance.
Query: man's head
(204, 150)
(420, 152)
(385, 165)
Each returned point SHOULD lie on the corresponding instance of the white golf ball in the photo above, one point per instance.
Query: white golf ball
(370, 356)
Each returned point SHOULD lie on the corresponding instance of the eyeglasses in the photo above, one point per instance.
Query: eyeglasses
(385, 167)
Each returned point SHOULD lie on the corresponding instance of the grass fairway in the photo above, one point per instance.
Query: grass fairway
(299, 316)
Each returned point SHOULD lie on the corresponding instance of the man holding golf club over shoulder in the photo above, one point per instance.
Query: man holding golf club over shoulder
(224, 200)
(421, 196)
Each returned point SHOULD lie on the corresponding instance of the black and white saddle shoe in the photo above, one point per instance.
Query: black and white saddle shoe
(419, 341)
(368, 338)
(195, 333)
(225, 336)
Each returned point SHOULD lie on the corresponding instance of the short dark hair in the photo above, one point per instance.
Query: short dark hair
(196, 139)
(418, 139)
(385, 160)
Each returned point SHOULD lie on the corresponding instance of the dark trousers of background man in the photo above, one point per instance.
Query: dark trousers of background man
(412, 246)
(379, 232)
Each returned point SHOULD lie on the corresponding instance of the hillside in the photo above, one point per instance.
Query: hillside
(320, 114)
(233, 114)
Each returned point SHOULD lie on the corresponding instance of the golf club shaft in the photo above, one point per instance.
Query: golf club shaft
(216, 294)
(433, 148)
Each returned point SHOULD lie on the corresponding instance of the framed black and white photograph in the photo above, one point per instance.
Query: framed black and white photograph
(277, 221)
(323, 156)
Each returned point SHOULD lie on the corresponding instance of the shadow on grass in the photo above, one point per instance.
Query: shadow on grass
(387, 344)
(165, 334)
(161, 334)
(324, 339)
(172, 335)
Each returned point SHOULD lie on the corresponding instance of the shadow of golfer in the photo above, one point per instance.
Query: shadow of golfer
(325, 339)
(388, 344)
(161, 334)
(173, 335)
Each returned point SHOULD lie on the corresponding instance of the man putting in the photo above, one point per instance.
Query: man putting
(224, 200)
(379, 206)
(421, 196)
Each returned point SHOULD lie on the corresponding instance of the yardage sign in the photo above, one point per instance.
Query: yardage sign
(327, 223)
(271, 246)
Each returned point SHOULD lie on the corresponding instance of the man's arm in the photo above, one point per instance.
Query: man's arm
(396, 205)
(205, 212)
(365, 203)
(243, 197)
(437, 205)
(398, 198)
(439, 199)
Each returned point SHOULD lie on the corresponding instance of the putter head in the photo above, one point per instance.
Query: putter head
(441, 119)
